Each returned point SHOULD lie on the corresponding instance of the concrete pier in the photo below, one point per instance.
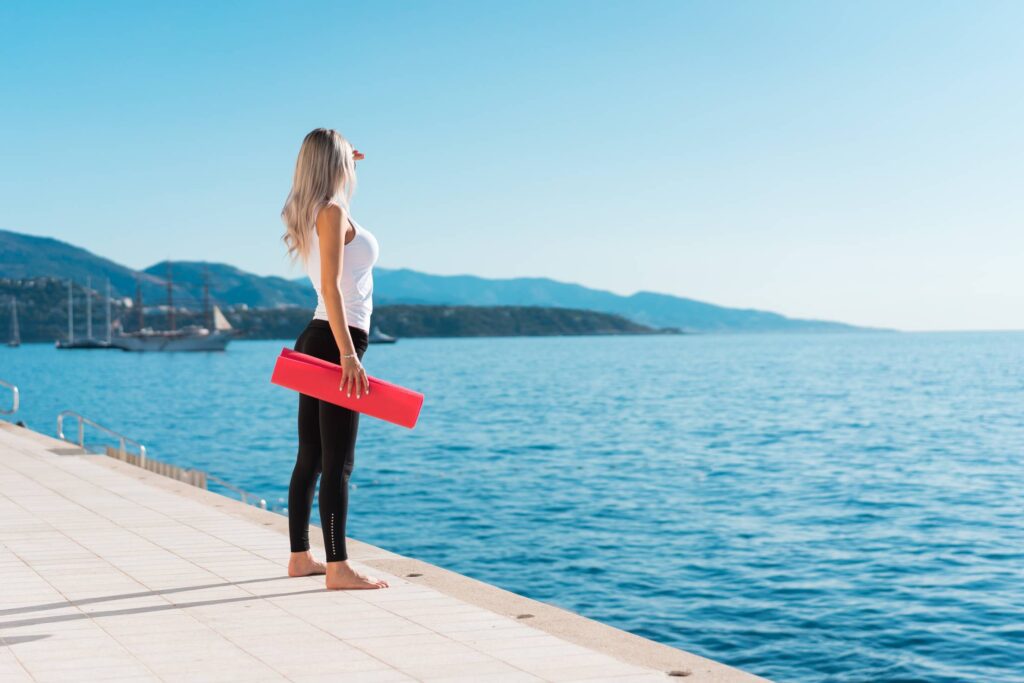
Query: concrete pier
(111, 572)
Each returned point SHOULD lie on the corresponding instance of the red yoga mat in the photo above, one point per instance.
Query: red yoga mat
(320, 378)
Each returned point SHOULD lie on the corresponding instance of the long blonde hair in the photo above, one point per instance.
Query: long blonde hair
(325, 171)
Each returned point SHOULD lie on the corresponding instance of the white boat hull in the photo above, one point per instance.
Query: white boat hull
(216, 341)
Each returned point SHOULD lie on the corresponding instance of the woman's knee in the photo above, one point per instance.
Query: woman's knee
(336, 468)
(308, 457)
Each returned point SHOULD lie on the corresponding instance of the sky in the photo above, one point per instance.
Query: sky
(852, 161)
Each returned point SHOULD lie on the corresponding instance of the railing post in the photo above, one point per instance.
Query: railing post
(15, 392)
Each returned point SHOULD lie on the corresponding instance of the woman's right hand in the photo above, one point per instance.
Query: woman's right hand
(353, 377)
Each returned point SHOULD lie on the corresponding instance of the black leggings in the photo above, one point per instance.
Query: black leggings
(327, 444)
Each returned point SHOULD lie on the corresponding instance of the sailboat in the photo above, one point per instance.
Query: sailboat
(378, 337)
(188, 338)
(15, 339)
(215, 337)
(89, 342)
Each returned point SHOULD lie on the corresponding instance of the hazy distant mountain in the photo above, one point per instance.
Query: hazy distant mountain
(23, 256)
(647, 308)
(26, 256)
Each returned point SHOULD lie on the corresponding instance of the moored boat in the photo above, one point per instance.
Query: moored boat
(188, 338)
(378, 337)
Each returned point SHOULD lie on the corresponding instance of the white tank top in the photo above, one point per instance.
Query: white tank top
(356, 275)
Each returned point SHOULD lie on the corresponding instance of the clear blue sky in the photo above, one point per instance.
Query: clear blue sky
(859, 161)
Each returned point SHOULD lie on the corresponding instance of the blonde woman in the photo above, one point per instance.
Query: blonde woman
(338, 254)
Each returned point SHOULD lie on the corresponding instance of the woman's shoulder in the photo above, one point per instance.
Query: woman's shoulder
(328, 205)
(327, 213)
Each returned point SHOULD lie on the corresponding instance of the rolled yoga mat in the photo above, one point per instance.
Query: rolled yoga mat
(320, 378)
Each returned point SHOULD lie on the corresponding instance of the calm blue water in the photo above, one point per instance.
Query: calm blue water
(809, 508)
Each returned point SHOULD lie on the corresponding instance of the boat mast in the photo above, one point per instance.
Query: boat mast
(71, 316)
(206, 298)
(88, 307)
(108, 310)
(15, 334)
(138, 302)
(170, 298)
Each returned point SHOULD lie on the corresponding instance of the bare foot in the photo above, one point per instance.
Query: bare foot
(341, 576)
(303, 564)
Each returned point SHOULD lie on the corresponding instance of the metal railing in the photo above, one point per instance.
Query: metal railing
(242, 493)
(123, 440)
(15, 393)
(122, 454)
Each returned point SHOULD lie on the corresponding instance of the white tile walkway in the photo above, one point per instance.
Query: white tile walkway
(106, 576)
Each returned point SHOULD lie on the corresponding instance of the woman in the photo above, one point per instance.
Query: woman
(338, 254)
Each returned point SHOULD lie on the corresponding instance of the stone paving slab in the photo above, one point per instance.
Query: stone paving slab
(110, 572)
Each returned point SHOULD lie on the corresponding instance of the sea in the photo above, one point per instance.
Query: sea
(831, 507)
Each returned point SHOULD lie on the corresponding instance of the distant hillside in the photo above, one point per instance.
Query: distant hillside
(26, 256)
(422, 320)
(407, 321)
(647, 308)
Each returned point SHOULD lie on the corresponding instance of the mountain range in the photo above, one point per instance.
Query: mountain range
(25, 256)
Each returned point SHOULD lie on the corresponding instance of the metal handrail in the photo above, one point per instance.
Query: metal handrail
(242, 493)
(16, 393)
(83, 420)
(123, 440)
